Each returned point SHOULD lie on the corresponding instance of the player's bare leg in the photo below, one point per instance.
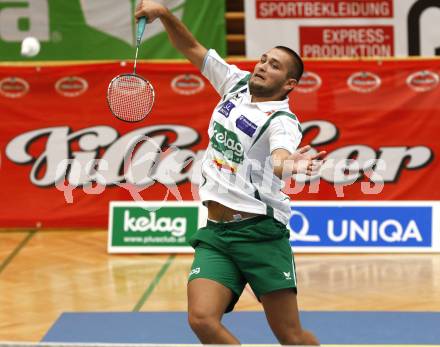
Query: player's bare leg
(207, 302)
(281, 310)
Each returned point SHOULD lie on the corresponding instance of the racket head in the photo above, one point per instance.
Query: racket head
(130, 97)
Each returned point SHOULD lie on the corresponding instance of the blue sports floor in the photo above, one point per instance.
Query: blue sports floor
(332, 328)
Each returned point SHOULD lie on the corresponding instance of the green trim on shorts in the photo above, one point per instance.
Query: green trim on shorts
(255, 251)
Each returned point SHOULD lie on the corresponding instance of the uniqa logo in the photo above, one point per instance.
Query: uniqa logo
(187, 84)
(364, 82)
(175, 226)
(13, 87)
(389, 230)
(423, 81)
(310, 82)
(71, 86)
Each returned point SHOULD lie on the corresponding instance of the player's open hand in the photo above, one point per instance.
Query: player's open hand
(304, 163)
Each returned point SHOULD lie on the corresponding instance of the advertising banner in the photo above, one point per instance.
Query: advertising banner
(102, 29)
(64, 157)
(153, 226)
(315, 226)
(358, 226)
(343, 28)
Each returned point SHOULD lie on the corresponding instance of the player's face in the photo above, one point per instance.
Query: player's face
(271, 75)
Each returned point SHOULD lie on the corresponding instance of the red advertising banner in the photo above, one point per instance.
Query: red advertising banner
(64, 156)
(324, 8)
(343, 28)
(352, 41)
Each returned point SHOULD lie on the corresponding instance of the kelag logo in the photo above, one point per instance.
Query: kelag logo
(159, 225)
(361, 226)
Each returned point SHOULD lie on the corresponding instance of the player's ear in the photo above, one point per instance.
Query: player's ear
(291, 84)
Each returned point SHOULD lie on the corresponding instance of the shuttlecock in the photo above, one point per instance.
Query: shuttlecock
(30, 47)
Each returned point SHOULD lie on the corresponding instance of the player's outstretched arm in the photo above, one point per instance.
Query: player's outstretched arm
(179, 35)
(286, 164)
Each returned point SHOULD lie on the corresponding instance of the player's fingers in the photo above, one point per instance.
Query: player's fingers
(138, 14)
(304, 149)
(138, 7)
(139, 11)
(319, 155)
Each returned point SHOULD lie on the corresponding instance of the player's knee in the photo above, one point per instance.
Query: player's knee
(202, 322)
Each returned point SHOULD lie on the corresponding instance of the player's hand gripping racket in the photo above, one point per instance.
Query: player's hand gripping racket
(130, 96)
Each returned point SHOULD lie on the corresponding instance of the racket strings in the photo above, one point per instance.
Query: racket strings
(130, 97)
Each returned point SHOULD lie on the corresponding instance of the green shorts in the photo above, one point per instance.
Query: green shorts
(255, 251)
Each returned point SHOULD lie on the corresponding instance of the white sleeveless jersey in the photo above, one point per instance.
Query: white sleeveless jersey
(236, 168)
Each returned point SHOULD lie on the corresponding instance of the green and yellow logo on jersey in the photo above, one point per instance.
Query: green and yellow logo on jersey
(227, 143)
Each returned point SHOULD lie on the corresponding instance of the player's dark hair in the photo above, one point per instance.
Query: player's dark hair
(298, 65)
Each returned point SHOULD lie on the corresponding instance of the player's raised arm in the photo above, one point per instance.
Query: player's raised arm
(179, 35)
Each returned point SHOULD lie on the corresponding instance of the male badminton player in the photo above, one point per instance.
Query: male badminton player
(246, 239)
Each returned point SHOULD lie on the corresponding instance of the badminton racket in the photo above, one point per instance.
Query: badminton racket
(130, 97)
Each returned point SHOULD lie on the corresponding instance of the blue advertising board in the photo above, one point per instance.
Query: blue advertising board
(346, 225)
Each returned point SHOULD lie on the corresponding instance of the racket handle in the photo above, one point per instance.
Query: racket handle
(140, 29)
